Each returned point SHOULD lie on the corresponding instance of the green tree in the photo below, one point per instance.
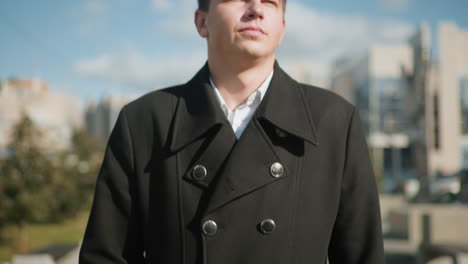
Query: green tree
(25, 180)
(40, 184)
(82, 162)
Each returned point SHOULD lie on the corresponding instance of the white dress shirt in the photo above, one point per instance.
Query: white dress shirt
(240, 117)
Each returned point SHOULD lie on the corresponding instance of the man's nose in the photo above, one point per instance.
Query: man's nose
(255, 9)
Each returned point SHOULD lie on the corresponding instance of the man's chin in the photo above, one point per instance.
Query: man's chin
(255, 52)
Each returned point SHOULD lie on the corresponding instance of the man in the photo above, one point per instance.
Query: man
(240, 165)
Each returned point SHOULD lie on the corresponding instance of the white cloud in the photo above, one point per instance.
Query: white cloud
(132, 69)
(178, 21)
(96, 7)
(161, 5)
(180, 29)
(314, 39)
(93, 16)
(307, 29)
(321, 37)
(395, 5)
(311, 34)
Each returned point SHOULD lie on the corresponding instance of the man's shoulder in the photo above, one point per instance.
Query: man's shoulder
(160, 100)
(318, 97)
(325, 106)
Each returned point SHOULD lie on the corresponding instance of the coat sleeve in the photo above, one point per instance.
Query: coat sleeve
(112, 234)
(357, 232)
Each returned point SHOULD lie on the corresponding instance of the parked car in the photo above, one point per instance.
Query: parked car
(450, 188)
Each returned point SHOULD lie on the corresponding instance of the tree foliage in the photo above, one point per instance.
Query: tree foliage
(38, 184)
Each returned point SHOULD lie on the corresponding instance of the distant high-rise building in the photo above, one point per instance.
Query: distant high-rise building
(452, 69)
(100, 117)
(414, 106)
(438, 106)
(347, 75)
(372, 82)
(421, 107)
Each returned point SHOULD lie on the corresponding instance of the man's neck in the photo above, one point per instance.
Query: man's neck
(236, 81)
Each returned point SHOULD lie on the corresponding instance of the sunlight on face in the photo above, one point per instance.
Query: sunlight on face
(252, 28)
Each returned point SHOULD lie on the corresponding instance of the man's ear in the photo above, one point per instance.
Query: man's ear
(283, 30)
(200, 23)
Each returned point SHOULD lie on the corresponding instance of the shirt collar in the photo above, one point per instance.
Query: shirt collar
(258, 93)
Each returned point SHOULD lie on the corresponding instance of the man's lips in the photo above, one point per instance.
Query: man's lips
(255, 29)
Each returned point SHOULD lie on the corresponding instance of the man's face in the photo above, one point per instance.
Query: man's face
(250, 27)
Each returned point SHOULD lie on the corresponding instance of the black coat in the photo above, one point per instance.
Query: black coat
(150, 208)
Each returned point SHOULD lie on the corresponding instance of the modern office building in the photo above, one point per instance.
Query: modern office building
(414, 105)
(100, 116)
(452, 70)
(372, 82)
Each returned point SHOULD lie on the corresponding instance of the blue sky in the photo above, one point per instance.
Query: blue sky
(93, 48)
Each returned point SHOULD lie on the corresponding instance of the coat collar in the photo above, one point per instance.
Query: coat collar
(283, 105)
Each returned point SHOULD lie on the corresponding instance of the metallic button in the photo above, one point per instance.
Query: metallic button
(199, 172)
(276, 170)
(281, 133)
(267, 226)
(210, 227)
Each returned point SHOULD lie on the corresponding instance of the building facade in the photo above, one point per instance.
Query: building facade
(55, 114)
(372, 81)
(414, 106)
(100, 117)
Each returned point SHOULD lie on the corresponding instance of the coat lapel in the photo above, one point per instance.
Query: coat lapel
(284, 106)
(276, 133)
(197, 111)
(200, 120)
(246, 169)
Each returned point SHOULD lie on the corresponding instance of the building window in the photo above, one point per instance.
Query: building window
(464, 151)
(391, 116)
(436, 122)
(464, 105)
(361, 97)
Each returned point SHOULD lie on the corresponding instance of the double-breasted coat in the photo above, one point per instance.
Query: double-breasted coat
(177, 187)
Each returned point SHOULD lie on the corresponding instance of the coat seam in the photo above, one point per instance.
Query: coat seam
(296, 191)
(131, 140)
(313, 126)
(348, 139)
(343, 170)
(135, 198)
(341, 183)
(179, 202)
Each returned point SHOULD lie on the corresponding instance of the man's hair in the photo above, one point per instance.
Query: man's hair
(205, 4)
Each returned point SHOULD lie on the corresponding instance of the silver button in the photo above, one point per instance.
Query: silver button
(267, 226)
(210, 227)
(199, 172)
(276, 170)
(281, 133)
